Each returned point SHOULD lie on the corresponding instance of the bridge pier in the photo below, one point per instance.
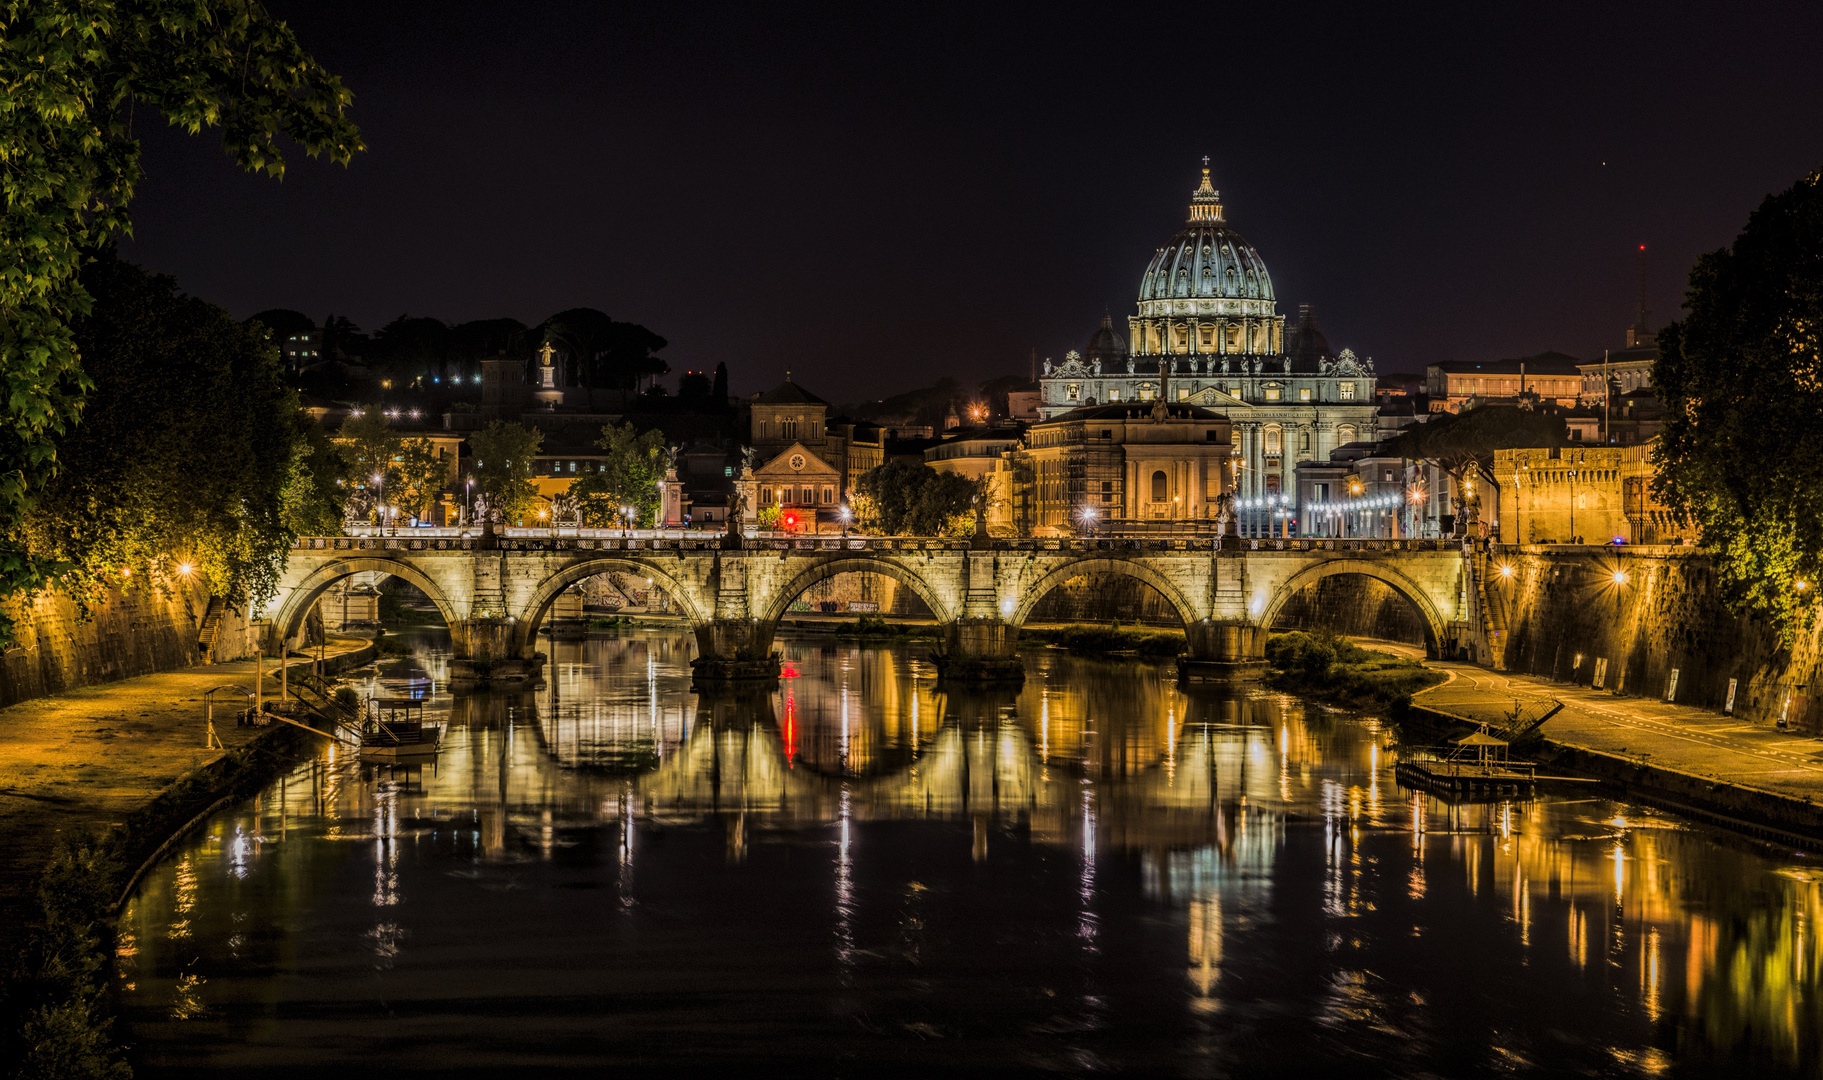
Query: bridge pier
(1225, 651)
(734, 650)
(980, 649)
(488, 650)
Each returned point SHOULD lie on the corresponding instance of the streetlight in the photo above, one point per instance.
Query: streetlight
(379, 480)
(626, 513)
(846, 515)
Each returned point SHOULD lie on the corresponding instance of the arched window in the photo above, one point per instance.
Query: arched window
(1160, 487)
(1275, 439)
(1345, 434)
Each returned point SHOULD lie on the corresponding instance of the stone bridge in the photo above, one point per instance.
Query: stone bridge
(495, 593)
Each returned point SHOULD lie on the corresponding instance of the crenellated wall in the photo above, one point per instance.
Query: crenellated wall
(131, 633)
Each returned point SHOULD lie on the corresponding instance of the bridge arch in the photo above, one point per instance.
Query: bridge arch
(550, 587)
(299, 599)
(1436, 628)
(1030, 594)
(840, 564)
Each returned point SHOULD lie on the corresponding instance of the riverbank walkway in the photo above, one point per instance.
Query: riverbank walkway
(1678, 738)
(87, 758)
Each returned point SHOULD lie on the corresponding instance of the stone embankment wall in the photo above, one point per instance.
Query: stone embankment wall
(1564, 614)
(131, 633)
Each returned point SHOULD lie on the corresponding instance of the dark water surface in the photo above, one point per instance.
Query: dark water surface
(859, 874)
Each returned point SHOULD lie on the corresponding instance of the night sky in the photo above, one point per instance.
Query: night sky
(877, 195)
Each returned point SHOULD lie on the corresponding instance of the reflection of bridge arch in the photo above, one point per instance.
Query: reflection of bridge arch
(1436, 630)
(842, 564)
(1037, 590)
(551, 587)
(299, 599)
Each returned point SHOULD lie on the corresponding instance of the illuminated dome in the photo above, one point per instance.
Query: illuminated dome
(1206, 269)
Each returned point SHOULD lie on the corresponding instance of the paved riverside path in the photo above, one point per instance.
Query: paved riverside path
(1698, 742)
(89, 757)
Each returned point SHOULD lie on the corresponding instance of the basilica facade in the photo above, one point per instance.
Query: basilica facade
(1208, 333)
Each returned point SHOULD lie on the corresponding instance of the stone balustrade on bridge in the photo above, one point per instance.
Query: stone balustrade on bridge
(495, 592)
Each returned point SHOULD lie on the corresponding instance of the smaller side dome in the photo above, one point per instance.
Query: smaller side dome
(1106, 345)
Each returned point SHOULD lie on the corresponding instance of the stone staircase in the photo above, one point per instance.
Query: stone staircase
(212, 624)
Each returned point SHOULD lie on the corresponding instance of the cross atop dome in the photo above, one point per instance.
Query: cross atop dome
(1205, 201)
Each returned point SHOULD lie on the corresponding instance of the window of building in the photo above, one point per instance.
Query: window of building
(1073, 391)
(764, 427)
(1113, 396)
(765, 494)
(1272, 393)
(1322, 492)
(1303, 393)
(1160, 486)
(1387, 476)
(1183, 393)
(1275, 440)
(572, 466)
(809, 497)
(1347, 391)
(1304, 440)
(1107, 485)
(829, 494)
(816, 429)
(1345, 433)
(788, 429)
(727, 470)
(1146, 391)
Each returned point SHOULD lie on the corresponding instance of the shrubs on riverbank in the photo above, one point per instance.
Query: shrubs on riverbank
(54, 1016)
(1327, 665)
(1081, 637)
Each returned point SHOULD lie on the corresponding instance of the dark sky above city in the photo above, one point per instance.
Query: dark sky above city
(877, 195)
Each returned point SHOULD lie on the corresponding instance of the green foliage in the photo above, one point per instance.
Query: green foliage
(186, 451)
(73, 76)
(603, 352)
(635, 463)
(1102, 640)
(312, 496)
(1741, 376)
(504, 455)
(1327, 665)
(1466, 441)
(56, 1016)
(421, 470)
(903, 498)
(769, 517)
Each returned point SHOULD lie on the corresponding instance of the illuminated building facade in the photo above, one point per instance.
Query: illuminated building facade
(1207, 333)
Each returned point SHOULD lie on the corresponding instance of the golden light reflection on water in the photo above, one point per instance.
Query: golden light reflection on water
(1217, 799)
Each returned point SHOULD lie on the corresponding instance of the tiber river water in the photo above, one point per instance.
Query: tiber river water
(861, 874)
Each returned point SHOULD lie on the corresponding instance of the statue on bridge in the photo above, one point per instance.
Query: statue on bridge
(1224, 516)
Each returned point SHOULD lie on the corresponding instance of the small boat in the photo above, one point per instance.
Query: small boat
(394, 730)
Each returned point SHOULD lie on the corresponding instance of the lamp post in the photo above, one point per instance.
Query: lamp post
(1086, 520)
(846, 515)
(379, 480)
